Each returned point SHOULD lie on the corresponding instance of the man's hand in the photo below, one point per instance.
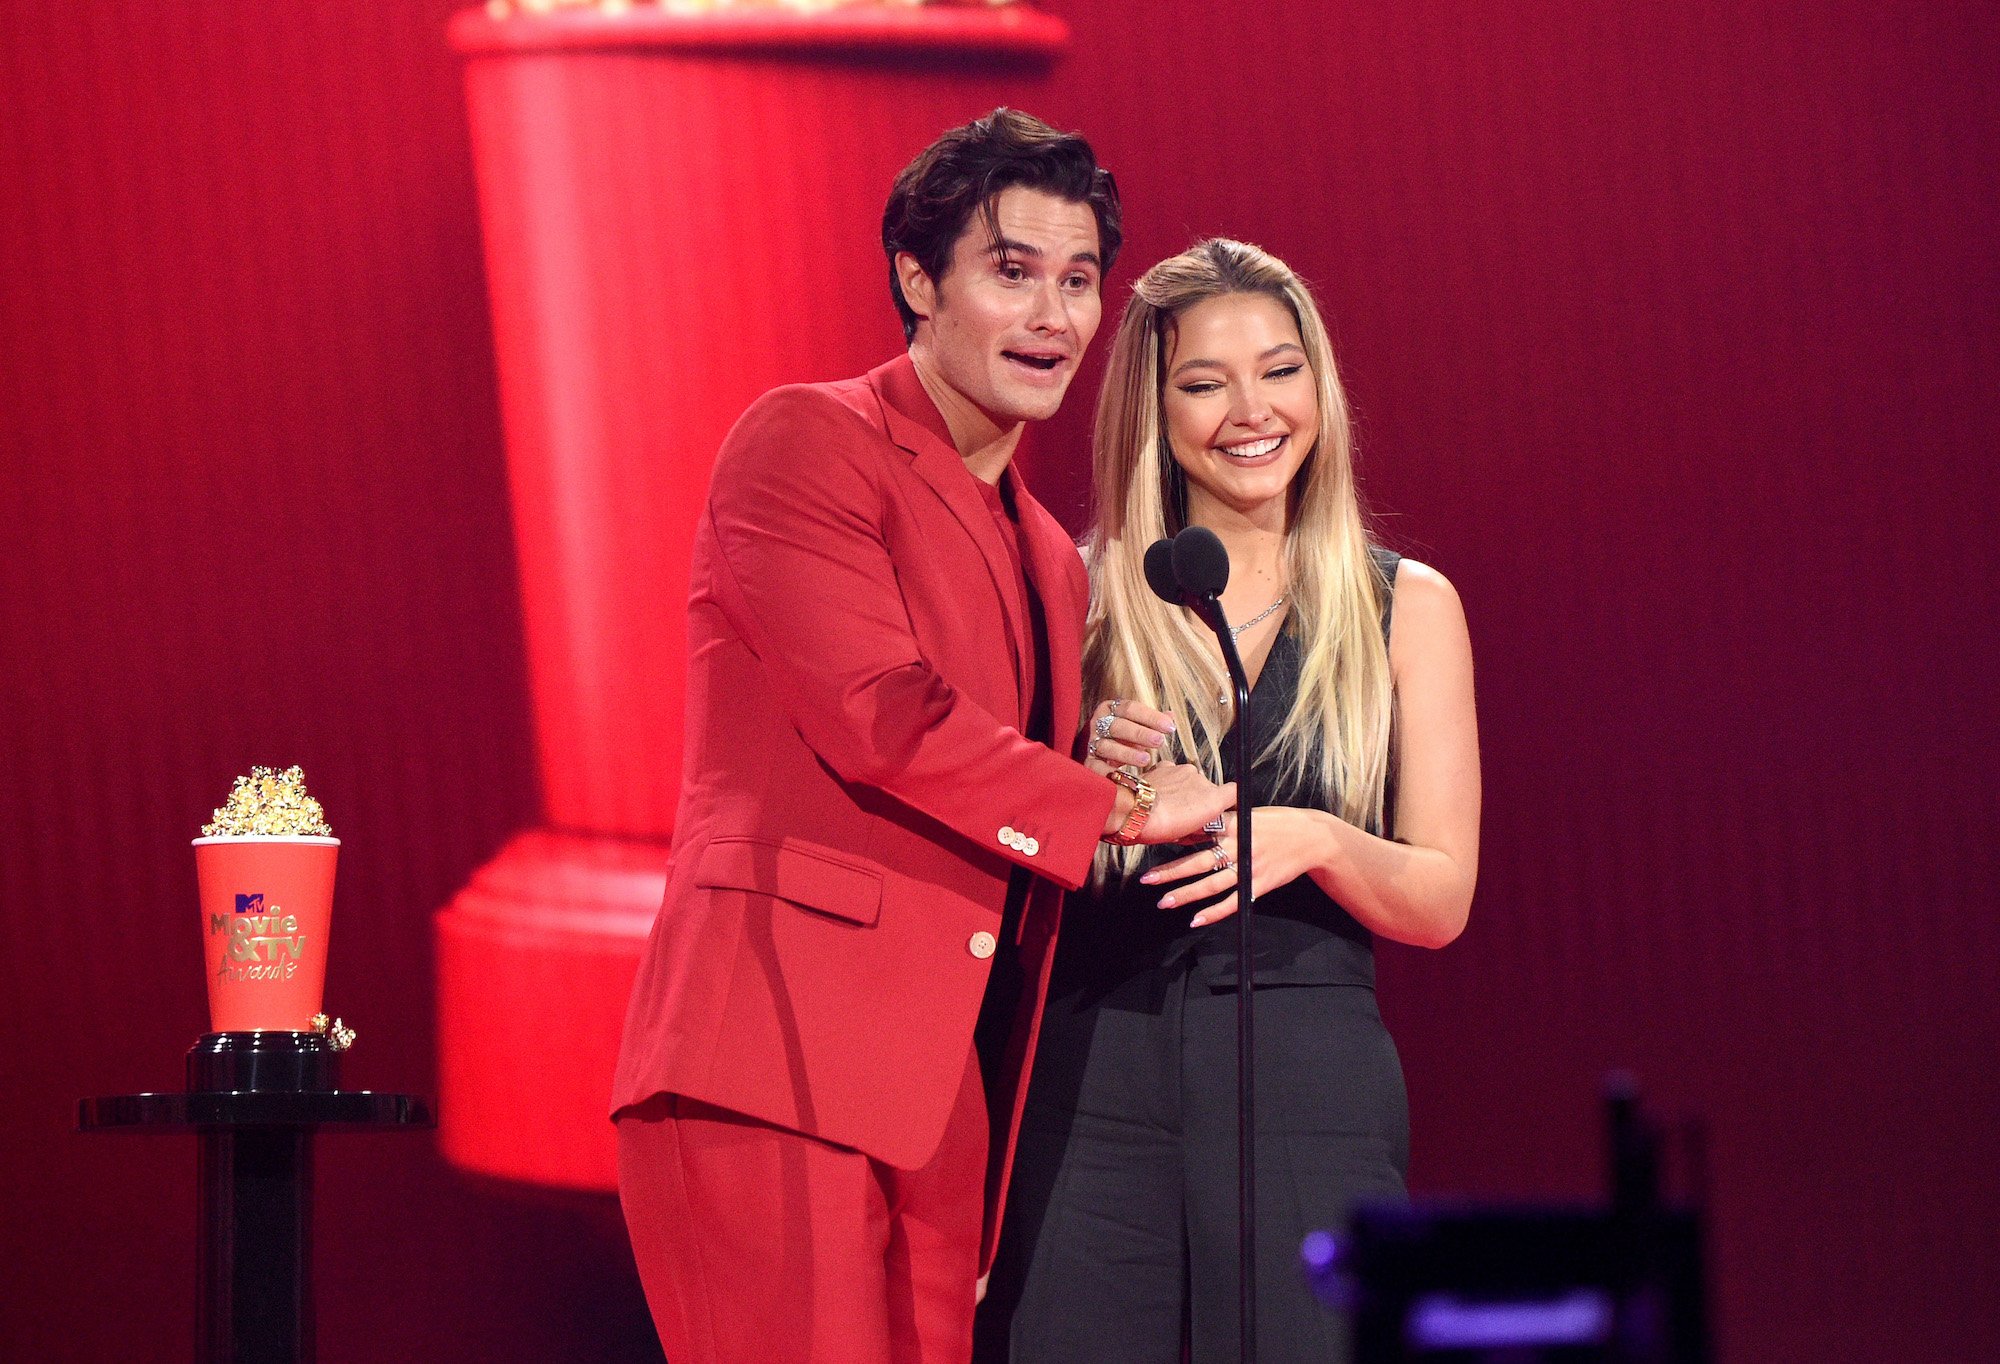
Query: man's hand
(1183, 800)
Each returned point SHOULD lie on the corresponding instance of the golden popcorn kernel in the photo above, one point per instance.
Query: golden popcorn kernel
(269, 803)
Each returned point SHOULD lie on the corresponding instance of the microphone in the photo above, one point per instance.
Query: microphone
(1189, 568)
(1160, 575)
(1202, 566)
(1200, 562)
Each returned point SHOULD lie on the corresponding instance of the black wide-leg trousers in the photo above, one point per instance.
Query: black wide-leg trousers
(1120, 1241)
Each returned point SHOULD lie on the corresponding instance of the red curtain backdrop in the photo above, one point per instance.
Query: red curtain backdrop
(1672, 332)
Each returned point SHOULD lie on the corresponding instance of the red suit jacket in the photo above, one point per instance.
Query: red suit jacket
(858, 787)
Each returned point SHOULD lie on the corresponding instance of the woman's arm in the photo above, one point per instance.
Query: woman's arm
(1418, 888)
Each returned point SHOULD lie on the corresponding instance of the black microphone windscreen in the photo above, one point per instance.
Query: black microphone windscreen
(1200, 562)
(1160, 572)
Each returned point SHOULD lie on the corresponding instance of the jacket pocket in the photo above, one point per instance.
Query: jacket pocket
(804, 873)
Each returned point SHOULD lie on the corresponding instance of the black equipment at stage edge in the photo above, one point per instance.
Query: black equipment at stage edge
(1433, 1282)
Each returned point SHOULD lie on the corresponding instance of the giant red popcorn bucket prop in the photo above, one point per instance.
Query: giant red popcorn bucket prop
(681, 209)
(266, 913)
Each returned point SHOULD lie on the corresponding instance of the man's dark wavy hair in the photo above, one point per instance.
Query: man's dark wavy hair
(963, 173)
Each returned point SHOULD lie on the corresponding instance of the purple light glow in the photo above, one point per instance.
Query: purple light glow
(1441, 1322)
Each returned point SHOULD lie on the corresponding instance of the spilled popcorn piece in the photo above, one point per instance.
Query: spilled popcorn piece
(337, 1033)
(270, 803)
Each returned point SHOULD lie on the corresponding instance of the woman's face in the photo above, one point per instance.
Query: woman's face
(1241, 405)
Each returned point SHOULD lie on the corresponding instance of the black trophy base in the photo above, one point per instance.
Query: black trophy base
(262, 1063)
(254, 1101)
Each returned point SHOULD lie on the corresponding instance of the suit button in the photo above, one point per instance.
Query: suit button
(982, 945)
(1030, 846)
(1007, 835)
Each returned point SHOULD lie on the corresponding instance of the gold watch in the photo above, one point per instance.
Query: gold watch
(1142, 806)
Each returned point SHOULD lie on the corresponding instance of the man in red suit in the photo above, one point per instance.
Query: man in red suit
(876, 824)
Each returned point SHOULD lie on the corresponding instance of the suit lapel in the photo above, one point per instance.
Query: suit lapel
(914, 423)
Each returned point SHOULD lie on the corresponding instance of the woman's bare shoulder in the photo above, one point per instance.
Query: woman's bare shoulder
(1428, 613)
(1419, 582)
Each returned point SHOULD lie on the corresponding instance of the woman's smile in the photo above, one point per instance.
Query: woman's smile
(1259, 450)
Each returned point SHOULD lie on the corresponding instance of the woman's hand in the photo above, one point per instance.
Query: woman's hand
(1289, 843)
(1416, 888)
(1125, 734)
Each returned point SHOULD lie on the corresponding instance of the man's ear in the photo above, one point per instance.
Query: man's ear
(918, 290)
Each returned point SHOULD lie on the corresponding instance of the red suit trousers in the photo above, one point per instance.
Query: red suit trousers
(760, 1245)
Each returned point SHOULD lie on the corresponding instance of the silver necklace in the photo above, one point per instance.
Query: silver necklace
(1236, 631)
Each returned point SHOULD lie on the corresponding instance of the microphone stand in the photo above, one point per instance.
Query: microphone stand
(1191, 568)
(1209, 608)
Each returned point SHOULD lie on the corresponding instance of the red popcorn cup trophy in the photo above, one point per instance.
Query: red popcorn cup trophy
(265, 869)
(265, 1082)
(266, 906)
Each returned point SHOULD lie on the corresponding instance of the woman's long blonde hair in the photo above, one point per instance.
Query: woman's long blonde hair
(1336, 738)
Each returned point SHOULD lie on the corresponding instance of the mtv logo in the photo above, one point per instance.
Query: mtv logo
(250, 904)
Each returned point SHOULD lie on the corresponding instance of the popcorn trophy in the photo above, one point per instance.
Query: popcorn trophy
(265, 867)
(264, 1083)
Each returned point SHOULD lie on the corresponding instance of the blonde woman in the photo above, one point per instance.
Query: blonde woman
(1222, 408)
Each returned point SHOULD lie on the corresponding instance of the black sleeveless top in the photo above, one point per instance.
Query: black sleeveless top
(1301, 936)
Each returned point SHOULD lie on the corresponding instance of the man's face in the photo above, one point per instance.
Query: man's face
(1007, 328)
